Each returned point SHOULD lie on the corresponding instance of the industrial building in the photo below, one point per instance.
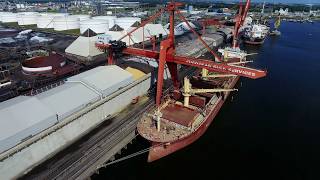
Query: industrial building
(84, 46)
(34, 128)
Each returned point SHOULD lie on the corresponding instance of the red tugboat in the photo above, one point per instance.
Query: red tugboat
(182, 116)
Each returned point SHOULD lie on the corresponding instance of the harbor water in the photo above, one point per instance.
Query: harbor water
(269, 129)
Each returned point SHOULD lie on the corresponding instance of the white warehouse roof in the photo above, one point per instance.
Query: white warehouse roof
(69, 95)
(105, 79)
(23, 117)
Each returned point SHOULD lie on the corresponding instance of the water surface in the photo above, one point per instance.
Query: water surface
(270, 129)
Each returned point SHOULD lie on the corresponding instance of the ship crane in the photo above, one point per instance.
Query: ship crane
(189, 91)
(167, 54)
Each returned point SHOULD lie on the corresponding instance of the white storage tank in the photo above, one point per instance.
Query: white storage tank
(1, 14)
(45, 20)
(81, 17)
(66, 23)
(126, 22)
(96, 25)
(110, 19)
(9, 17)
(27, 18)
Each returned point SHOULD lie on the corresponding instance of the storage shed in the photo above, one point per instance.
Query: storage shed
(21, 118)
(84, 46)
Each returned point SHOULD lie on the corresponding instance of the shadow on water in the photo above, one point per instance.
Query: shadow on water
(270, 130)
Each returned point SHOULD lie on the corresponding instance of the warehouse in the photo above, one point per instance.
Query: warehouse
(63, 115)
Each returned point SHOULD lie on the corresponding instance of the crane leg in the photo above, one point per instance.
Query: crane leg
(173, 68)
(110, 56)
(162, 61)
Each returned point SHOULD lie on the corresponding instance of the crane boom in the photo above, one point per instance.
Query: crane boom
(168, 56)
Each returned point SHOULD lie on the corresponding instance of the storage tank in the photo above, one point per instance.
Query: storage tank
(1, 14)
(110, 19)
(126, 22)
(81, 17)
(45, 20)
(66, 23)
(9, 17)
(96, 25)
(27, 18)
(43, 64)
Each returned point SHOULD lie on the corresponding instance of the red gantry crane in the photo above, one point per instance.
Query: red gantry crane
(167, 55)
(239, 20)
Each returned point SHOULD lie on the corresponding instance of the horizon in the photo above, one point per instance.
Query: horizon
(306, 2)
(289, 1)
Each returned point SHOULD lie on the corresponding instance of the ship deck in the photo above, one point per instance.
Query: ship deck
(179, 114)
(178, 121)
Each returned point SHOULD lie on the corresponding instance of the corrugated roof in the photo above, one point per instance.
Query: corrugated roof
(23, 111)
(21, 117)
(105, 79)
(68, 98)
(24, 116)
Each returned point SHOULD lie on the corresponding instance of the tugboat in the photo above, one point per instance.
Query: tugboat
(275, 31)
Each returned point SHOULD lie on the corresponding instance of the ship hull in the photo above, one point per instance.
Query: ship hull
(275, 33)
(255, 42)
(160, 150)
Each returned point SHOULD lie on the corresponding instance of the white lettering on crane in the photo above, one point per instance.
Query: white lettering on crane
(215, 66)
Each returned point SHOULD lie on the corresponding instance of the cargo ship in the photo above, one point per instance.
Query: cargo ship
(183, 116)
(256, 34)
(186, 115)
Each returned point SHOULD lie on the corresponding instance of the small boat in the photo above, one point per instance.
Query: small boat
(275, 31)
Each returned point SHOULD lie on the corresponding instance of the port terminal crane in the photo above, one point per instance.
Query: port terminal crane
(167, 55)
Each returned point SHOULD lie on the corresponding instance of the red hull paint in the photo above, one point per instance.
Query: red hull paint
(159, 151)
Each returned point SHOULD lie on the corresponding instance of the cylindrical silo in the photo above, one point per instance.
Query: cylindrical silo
(45, 20)
(110, 19)
(98, 26)
(81, 17)
(27, 18)
(9, 17)
(66, 23)
(126, 22)
(1, 14)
